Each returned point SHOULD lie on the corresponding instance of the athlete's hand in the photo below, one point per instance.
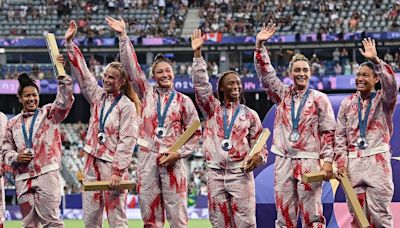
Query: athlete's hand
(265, 34)
(169, 159)
(253, 162)
(117, 25)
(327, 167)
(24, 156)
(115, 181)
(70, 34)
(340, 172)
(370, 50)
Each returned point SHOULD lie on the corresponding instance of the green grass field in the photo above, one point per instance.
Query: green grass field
(194, 223)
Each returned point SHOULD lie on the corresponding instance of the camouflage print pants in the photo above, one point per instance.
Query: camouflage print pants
(371, 178)
(231, 198)
(292, 195)
(39, 199)
(162, 190)
(94, 202)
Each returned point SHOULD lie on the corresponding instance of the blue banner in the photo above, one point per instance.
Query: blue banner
(211, 38)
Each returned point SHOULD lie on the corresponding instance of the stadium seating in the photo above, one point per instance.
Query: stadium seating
(40, 71)
(234, 19)
(40, 16)
(298, 16)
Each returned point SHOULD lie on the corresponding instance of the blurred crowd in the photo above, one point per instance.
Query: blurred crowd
(146, 18)
(233, 17)
(165, 18)
(340, 63)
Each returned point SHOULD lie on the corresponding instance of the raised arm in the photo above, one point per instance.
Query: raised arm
(202, 87)
(61, 106)
(273, 86)
(79, 70)
(383, 71)
(388, 84)
(128, 56)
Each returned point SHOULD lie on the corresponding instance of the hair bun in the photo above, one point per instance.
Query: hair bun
(25, 80)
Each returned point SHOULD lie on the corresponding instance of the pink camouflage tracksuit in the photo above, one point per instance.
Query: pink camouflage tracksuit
(37, 183)
(370, 171)
(3, 124)
(160, 187)
(293, 159)
(113, 156)
(231, 192)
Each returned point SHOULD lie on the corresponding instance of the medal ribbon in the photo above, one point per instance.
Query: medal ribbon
(161, 117)
(28, 139)
(362, 123)
(103, 121)
(228, 129)
(296, 119)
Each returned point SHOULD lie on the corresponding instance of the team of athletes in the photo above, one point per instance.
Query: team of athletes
(128, 112)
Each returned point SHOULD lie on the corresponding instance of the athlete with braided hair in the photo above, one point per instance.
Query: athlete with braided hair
(231, 129)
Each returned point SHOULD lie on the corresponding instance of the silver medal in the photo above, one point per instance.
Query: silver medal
(161, 132)
(31, 151)
(102, 137)
(362, 143)
(294, 136)
(226, 144)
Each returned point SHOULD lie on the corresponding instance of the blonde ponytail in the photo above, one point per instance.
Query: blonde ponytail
(127, 88)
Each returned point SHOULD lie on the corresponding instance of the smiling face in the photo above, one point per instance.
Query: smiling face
(300, 73)
(163, 75)
(29, 98)
(112, 80)
(365, 79)
(231, 87)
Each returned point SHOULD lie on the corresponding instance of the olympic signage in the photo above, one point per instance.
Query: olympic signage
(210, 39)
